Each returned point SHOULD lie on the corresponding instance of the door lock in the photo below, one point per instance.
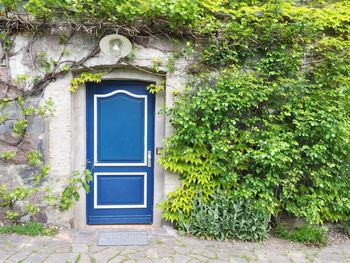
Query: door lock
(149, 159)
(159, 150)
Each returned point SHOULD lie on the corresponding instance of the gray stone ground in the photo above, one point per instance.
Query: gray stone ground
(165, 246)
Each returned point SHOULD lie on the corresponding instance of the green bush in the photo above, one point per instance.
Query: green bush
(225, 218)
(284, 144)
(306, 234)
(30, 229)
(272, 122)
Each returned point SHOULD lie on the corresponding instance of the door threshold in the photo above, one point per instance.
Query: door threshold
(150, 229)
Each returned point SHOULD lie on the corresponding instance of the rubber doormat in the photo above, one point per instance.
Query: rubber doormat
(123, 238)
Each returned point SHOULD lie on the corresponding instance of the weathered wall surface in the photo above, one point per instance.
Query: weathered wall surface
(56, 137)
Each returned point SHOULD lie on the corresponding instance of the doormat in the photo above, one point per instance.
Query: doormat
(123, 238)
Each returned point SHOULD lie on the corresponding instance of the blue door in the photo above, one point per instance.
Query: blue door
(120, 143)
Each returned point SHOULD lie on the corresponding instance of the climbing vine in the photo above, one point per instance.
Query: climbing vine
(265, 115)
(272, 124)
(84, 78)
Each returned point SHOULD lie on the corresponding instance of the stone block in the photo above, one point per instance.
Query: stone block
(40, 217)
(36, 125)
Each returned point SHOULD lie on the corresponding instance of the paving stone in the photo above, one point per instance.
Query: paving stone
(194, 260)
(119, 259)
(296, 256)
(46, 249)
(106, 254)
(20, 256)
(237, 260)
(6, 254)
(72, 246)
(95, 248)
(35, 258)
(62, 258)
(164, 252)
(85, 237)
(202, 258)
(191, 242)
(55, 245)
(84, 258)
(128, 250)
(331, 258)
(218, 261)
(165, 260)
(152, 253)
(276, 258)
(138, 255)
(210, 253)
(159, 231)
(223, 255)
(144, 260)
(183, 250)
(178, 258)
(80, 248)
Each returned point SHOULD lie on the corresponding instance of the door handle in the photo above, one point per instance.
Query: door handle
(149, 159)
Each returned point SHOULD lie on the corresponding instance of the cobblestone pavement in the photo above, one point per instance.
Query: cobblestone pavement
(165, 246)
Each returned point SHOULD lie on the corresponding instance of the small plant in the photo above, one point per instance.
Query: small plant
(7, 155)
(153, 88)
(225, 218)
(44, 61)
(20, 127)
(83, 78)
(306, 234)
(70, 192)
(156, 63)
(30, 229)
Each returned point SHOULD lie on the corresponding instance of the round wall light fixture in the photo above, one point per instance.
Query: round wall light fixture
(115, 46)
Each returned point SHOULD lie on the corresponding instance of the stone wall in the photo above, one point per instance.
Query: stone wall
(56, 137)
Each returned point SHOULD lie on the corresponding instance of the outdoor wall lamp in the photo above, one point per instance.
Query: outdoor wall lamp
(115, 46)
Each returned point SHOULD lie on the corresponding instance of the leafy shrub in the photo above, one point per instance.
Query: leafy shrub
(284, 144)
(306, 234)
(225, 218)
(30, 229)
(272, 123)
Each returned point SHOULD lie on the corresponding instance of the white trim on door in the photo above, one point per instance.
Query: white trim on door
(144, 205)
(97, 96)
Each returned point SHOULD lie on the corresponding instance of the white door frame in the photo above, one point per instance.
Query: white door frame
(78, 136)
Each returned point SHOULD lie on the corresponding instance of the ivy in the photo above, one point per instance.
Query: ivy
(284, 144)
(70, 192)
(11, 198)
(153, 88)
(8, 155)
(84, 78)
(20, 126)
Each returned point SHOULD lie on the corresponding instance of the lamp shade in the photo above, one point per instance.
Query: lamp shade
(115, 46)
